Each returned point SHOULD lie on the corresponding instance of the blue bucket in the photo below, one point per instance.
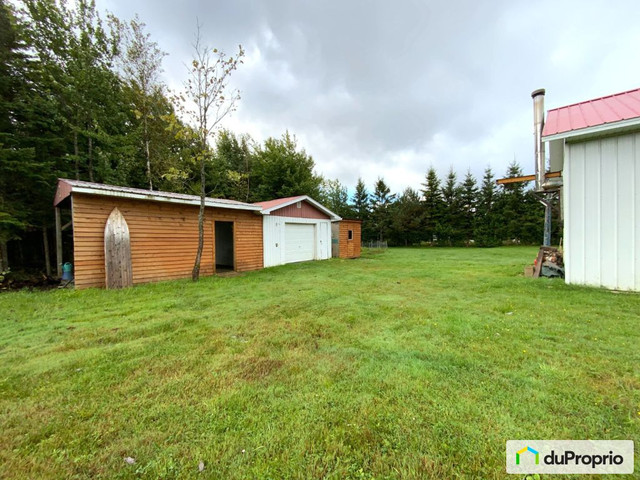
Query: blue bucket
(67, 272)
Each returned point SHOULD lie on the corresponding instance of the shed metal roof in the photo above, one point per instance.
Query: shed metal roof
(66, 187)
(591, 116)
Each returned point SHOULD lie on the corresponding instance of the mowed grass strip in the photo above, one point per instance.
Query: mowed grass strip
(412, 363)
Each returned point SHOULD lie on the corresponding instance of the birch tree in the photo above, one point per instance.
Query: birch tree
(206, 101)
(142, 67)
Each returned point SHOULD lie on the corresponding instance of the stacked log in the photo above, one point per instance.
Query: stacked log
(549, 263)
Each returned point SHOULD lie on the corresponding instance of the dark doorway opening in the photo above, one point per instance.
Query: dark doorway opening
(224, 246)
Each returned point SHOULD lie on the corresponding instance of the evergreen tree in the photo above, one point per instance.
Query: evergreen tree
(77, 54)
(487, 215)
(406, 219)
(334, 196)
(362, 209)
(448, 230)
(532, 220)
(28, 149)
(433, 205)
(66, 112)
(361, 201)
(511, 206)
(381, 214)
(13, 216)
(468, 200)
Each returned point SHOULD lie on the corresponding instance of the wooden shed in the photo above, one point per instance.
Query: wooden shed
(596, 145)
(161, 229)
(296, 229)
(346, 236)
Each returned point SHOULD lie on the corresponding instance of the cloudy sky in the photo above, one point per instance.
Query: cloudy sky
(383, 88)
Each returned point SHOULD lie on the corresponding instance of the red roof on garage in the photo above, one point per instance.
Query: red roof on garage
(308, 206)
(268, 205)
(592, 113)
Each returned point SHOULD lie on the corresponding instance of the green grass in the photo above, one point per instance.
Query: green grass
(412, 363)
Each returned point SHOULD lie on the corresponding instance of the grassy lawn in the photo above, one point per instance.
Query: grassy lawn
(413, 363)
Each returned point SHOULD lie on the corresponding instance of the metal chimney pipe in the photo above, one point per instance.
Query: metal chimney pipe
(538, 125)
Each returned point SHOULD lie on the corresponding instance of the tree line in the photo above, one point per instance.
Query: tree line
(445, 212)
(81, 97)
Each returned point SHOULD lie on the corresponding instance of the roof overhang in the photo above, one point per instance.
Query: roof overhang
(68, 187)
(596, 131)
(334, 217)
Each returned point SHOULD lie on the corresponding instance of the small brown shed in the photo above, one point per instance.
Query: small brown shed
(160, 230)
(346, 237)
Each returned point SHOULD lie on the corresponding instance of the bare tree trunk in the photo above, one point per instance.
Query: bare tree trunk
(206, 90)
(76, 152)
(195, 274)
(246, 169)
(47, 258)
(90, 159)
(147, 153)
(4, 256)
(58, 243)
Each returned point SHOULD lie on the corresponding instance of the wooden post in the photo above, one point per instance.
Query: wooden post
(58, 243)
(47, 258)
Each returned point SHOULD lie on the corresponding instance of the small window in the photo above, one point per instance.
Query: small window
(299, 204)
(350, 235)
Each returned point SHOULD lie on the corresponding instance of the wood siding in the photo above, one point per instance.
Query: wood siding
(164, 238)
(306, 210)
(349, 248)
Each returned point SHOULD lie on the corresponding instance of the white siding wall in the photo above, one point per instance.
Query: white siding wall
(602, 212)
(273, 229)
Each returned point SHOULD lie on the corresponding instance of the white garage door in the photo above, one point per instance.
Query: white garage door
(299, 242)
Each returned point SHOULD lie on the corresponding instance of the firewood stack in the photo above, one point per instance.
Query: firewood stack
(549, 263)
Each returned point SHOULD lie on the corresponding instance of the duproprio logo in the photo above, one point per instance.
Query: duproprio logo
(527, 449)
(570, 456)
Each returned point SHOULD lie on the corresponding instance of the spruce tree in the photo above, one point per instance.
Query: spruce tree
(381, 212)
(532, 220)
(362, 208)
(449, 232)
(468, 200)
(406, 219)
(433, 205)
(29, 149)
(486, 225)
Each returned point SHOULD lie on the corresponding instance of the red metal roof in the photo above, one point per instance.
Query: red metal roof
(269, 204)
(281, 204)
(592, 113)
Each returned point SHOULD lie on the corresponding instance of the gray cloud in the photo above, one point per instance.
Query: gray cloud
(375, 88)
